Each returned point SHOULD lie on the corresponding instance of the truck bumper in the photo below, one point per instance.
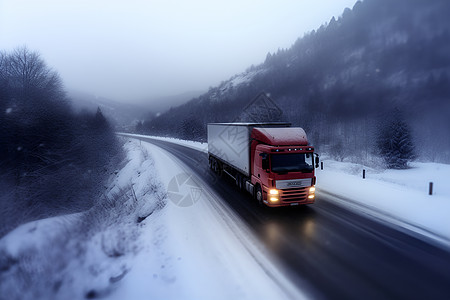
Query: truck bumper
(289, 197)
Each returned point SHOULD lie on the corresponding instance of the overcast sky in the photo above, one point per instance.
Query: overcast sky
(142, 49)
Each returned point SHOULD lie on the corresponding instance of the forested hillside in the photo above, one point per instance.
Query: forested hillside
(343, 82)
(52, 160)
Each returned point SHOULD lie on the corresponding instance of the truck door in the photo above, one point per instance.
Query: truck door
(262, 165)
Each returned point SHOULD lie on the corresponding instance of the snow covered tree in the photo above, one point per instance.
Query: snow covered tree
(337, 149)
(395, 143)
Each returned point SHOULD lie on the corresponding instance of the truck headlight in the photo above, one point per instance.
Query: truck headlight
(312, 190)
(273, 199)
(273, 192)
(273, 195)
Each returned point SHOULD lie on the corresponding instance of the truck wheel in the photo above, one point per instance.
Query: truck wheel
(259, 195)
(212, 164)
(220, 172)
(219, 169)
(242, 183)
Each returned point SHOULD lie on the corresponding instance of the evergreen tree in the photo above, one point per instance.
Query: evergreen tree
(99, 121)
(395, 143)
(192, 129)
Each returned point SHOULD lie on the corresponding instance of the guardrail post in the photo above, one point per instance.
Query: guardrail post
(321, 165)
(364, 174)
(430, 189)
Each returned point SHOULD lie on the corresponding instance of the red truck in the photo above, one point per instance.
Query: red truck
(272, 161)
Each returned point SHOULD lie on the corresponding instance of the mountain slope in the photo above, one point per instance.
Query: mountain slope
(343, 80)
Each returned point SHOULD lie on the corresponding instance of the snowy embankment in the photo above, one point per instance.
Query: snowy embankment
(157, 234)
(398, 197)
(84, 255)
(203, 147)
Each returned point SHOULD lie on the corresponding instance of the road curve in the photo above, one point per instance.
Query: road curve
(338, 253)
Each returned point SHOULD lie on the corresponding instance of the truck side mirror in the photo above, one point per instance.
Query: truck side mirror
(265, 161)
(316, 161)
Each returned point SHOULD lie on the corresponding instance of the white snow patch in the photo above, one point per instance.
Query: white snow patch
(33, 234)
(236, 81)
(242, 78)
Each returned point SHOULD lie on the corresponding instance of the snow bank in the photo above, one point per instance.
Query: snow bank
(203, 147)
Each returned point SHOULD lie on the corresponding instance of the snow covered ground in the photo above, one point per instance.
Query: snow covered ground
(398, 197)
(157, 234)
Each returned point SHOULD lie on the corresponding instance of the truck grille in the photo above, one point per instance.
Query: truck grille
(291, 195)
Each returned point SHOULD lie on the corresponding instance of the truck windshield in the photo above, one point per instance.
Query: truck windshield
(292, 162)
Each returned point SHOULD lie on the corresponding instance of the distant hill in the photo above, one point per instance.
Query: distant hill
(125, 116)
(162, 104)
(122, 115)
(343, 80)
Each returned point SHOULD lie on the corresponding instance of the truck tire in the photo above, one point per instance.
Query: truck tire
(242, 183)
(239, 181)
(259, 195)
(219, 169)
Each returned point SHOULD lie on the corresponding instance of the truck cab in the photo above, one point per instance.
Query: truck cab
(283, 167)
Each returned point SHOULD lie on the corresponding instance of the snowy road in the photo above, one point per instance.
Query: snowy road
(340, 254)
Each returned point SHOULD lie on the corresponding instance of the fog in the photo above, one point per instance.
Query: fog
(135, 51)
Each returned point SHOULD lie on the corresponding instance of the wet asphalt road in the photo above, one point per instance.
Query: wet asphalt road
(333, 252)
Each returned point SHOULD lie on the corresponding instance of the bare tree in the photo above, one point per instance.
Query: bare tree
(28, 78)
